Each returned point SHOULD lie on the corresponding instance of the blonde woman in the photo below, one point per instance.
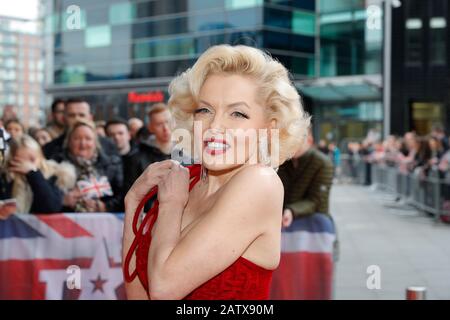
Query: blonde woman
(218, 236)
(99, 176)
(37, 184)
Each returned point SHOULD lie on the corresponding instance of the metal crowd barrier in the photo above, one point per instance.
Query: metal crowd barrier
(429, 193)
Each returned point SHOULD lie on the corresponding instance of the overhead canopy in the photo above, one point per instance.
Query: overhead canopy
(342, 89)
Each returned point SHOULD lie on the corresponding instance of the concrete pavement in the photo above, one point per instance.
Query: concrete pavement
(409, 247)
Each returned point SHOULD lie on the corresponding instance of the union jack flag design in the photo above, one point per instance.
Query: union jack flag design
(37, 252)
(95, 188)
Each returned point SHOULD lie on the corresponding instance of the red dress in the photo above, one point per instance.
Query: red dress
(243, 280)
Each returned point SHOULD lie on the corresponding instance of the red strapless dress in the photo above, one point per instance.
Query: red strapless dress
(243, 280)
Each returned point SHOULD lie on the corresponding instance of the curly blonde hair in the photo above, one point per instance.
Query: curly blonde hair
(276, 91)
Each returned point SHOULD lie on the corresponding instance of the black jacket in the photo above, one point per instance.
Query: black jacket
(54, 148)
(145, 155)
(47, 197)
(47, 193)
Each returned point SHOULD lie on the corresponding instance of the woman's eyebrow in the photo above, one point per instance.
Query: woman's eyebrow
(239, 103)
(234, 104)
(207, 103)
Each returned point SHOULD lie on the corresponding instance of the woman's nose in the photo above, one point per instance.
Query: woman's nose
(217, 122)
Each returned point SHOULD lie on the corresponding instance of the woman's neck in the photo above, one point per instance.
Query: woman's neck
(215, 180)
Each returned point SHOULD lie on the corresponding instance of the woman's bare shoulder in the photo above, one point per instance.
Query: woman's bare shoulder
(258, 175)
(258, 182)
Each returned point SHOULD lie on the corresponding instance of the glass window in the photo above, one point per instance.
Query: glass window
(163, 48)
(303, 23)
(11, 99)
(161, 7)
(122, 13)
(97, 16)
(40, 64)
(157, 28)
(10, 63)
(413, 45)
(335, 5)
(240, 4)
(277, 18)
(98, 36)
(245, 18)
(438, 47)
(195, 5)
(287, 41)
(207, 22)
(301, 4)
(70, 75)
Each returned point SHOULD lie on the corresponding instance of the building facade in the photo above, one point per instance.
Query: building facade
(121, 54)
(22, 69)
(420, 66)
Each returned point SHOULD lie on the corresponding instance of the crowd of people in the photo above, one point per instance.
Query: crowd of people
(409, 153)
(75, 164)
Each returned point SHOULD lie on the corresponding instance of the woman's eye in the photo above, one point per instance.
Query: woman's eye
(201, 110)
(240, 115)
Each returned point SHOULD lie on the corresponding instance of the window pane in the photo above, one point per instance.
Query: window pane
(121, 13)
(438, 48)
(303, 23)
(240, 4)
(98, 36)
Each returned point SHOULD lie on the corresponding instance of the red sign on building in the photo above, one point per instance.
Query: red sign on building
(153, 96)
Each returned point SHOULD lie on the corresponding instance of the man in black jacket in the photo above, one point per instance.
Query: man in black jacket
(119, 132)
(76, 109)
(157, 147)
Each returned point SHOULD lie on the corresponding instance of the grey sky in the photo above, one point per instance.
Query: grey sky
(19, 8)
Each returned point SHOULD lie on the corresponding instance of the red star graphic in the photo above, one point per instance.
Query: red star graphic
(98, 283)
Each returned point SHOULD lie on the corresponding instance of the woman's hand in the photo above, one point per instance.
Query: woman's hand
(71, 198)
(21, 166)
(94, 205)
(151, 177)
(173, 189)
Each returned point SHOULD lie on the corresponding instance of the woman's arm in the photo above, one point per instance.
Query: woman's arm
(47, 197)
(249, 206)
(149, 178)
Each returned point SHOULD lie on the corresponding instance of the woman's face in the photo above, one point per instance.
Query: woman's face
(27, 154)
(43, 137)
(15, 130)
(228, 103)
(433, 144)
(82, 143)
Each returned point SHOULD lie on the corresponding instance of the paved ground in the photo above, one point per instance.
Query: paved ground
(409, 247)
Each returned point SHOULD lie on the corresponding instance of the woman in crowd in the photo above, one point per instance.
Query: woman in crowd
(99, 177)
(38, 185)
(221, 240)
(437, 150)
(14, 128)
(42, 136)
